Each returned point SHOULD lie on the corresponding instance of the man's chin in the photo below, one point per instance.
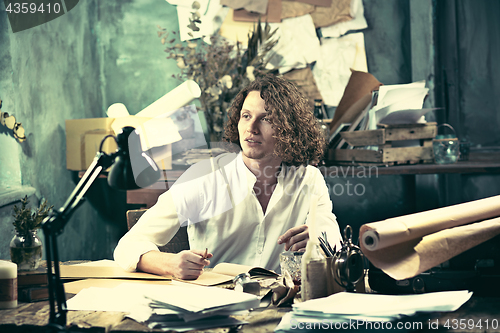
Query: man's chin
(254, 155)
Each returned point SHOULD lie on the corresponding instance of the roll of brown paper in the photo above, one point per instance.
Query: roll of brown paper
(408, 245)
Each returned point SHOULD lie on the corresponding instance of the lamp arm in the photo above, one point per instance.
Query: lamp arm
(53, 225)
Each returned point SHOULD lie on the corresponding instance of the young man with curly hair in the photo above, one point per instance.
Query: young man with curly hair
(245, 207)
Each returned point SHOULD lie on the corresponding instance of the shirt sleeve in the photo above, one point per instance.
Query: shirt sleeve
(325, 218)
(156, 227)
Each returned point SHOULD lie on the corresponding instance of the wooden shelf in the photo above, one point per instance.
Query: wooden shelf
(463, 167)
(147, 197)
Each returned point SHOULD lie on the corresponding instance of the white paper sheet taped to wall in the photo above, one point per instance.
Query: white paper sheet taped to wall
(408, 245)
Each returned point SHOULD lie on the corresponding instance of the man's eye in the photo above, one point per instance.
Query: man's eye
(266, 119)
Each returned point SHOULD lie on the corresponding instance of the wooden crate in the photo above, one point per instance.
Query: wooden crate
(382, 141)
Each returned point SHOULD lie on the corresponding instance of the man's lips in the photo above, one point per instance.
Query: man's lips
(252, 141)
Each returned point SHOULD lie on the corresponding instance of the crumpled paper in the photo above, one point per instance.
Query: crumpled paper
(284, 291)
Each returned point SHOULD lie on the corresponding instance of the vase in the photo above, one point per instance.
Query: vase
(26, 251)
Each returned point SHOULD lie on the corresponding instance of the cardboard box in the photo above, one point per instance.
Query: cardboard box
(84, 136)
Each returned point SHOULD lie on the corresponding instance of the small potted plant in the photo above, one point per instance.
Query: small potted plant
(26, 247)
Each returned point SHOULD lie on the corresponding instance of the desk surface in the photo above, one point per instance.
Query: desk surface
(30, 316)
(484, 312)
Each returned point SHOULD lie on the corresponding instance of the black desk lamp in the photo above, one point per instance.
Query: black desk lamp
(130, 169)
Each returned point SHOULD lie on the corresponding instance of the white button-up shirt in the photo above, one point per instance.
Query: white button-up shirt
(216, 199)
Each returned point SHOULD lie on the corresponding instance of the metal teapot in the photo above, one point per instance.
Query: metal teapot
(348, 263)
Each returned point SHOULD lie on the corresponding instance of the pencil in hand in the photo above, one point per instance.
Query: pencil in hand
(206, 253)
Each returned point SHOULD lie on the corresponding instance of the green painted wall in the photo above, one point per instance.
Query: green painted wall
(75, 66)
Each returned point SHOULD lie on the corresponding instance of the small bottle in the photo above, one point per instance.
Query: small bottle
(314, 274)
(319, 115)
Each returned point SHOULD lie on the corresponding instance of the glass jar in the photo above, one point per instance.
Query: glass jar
(26, 251)
(291, 263)
(446, 147)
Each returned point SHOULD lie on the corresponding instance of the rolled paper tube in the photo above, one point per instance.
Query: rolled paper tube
(8, 285)
(382, 234)
(117, 110)
(408, 259)
(173, 100)
(370, 240)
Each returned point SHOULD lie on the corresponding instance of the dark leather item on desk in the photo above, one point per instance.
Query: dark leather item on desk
(477, 270)
(430, 281)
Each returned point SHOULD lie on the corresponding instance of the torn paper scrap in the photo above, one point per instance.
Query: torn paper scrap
(298, 44)
(357, 23)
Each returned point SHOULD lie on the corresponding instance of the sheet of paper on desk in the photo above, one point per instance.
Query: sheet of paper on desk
(200, 300)
(387, 305)
(108, 299)
(166, 303)
(342, 307)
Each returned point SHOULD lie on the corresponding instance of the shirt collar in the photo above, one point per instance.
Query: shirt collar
(251, 178)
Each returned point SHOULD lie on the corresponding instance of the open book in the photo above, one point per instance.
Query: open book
(226, 272)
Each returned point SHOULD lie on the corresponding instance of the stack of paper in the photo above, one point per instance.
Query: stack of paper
(172, 307)
(398, 104)
(343, 310)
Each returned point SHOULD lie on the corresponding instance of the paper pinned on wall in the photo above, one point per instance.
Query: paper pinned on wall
(298, 44)
(333, 68)
(251, 6)
(357, 23)
(236, 31)
(211, 16)
(272, 14)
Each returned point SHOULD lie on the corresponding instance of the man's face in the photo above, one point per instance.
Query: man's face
(255, 130)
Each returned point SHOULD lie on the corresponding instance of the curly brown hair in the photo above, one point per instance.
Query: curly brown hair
(298, 136)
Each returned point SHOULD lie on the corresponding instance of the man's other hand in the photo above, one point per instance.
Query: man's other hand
(295, 238)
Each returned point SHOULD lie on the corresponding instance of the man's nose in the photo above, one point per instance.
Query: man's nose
(252, 127)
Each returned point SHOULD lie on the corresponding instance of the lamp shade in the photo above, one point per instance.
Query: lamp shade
(132, 168)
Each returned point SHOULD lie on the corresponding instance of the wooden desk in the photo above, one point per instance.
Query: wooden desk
(29, 317)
